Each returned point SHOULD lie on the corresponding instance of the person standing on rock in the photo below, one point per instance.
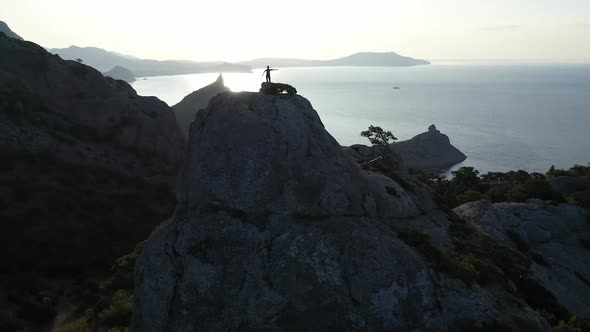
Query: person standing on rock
(267, 71)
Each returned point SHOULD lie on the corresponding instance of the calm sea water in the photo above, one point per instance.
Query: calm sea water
(503, 118)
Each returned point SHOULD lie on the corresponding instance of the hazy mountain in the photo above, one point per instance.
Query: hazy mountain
(4, 28)
(104, 60)
(386, 59)
(121, 73)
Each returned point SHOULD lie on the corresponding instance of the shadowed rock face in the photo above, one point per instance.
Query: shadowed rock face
(277, 229)
(556, 238)
(79, 102)
(186, 109)
(431, 150)
(87, 164)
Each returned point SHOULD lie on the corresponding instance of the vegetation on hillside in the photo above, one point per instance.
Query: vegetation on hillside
(467, 185)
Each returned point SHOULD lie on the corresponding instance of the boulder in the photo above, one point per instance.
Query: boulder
(277, 228)
(556, 238)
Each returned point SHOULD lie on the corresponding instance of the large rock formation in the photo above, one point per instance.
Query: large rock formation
(429, 150)
(187, 108)
(277, 229)
(87, 171)
(556, 238)
(4, 28)
(121, 73)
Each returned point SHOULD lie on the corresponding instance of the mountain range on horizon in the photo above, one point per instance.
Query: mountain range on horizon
(365, 59)
(105, 61)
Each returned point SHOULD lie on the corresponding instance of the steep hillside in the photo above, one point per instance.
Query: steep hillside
(88, 169)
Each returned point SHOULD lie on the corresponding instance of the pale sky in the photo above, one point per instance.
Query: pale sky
(234, 30)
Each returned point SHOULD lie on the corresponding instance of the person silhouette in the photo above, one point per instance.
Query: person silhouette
(267, 71)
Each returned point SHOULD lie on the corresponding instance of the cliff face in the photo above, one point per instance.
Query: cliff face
(277, 228)
(186, 109)
(87, 169)
(557, 240)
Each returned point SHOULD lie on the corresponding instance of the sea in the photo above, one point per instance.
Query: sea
(502, 116)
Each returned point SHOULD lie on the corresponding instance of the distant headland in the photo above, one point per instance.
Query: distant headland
(365, 59)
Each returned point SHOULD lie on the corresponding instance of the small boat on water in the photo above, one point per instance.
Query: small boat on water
(396, 88)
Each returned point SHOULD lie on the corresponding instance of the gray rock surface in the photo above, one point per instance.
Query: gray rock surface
(557, 240)
(431, 150)
(277, 228)
(186, 109)
(121, 73)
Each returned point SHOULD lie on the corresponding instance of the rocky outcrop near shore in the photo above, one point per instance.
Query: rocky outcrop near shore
(431, 150)
(276, 228)
(555, 237)
(121, 73)
(186, 109)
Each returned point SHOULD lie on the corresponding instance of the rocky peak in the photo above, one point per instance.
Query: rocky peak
(186, 109)
(277, 228)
